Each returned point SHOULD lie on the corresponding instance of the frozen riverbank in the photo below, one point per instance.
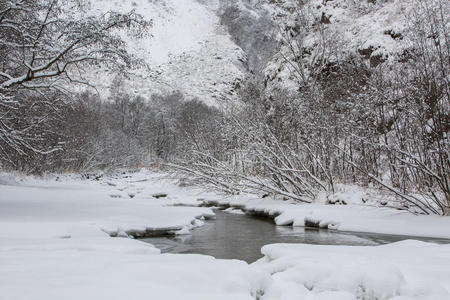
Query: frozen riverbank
(119, 205)
(356, 218)
(408, 270)
(56, 242)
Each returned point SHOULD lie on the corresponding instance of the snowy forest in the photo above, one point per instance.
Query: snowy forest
(224, 149)
(364, 117)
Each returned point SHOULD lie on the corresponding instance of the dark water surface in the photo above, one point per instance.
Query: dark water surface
(242, 236)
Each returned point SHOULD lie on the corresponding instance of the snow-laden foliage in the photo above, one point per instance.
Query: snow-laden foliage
(315, 33)
(342, 118)
(46, 46)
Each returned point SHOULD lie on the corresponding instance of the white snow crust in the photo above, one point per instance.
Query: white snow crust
(408, 270)
(55, 243)
(352, 217)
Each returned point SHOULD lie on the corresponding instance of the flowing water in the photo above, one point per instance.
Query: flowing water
(234, 236)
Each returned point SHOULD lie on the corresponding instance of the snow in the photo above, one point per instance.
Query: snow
(186, 50)
(234, 211)
(173, 31)
(107, 268)
(65, 206)
(354, 26)
(402, 271)
(352, 217)
(56, 243)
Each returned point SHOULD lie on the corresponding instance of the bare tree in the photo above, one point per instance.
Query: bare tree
(45, 47)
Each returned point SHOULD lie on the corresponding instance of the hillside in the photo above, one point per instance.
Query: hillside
(187, 50)
(374, 30)
(205, 49)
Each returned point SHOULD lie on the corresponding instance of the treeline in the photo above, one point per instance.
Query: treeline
(89, 134)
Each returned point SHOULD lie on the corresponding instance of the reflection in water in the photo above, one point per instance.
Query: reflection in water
(241, 237)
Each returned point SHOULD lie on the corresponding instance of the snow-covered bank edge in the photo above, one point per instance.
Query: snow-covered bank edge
(407, 270)
(67, 238)
(121, 205)
(348, 218)
(56, 243)
(197, 221)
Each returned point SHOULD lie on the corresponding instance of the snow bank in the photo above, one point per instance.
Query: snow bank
(358, 218)
(62, 205)
(55, 242)
(402, 271)
(67, 206)
(234, 211)
(116, 268)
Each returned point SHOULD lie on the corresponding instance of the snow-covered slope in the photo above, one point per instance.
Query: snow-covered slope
(205, 48)
(187, 50)
(373, 30)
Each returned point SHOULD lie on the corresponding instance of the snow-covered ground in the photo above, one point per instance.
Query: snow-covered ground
(408, 270)
(105, 268)
(116, 206)
(56, 243)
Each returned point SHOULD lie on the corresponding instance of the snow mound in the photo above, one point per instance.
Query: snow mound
(352, 217)
(408, 270)
(234, 211)
(119, 268)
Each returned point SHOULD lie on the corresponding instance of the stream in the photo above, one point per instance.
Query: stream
(235, 236)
